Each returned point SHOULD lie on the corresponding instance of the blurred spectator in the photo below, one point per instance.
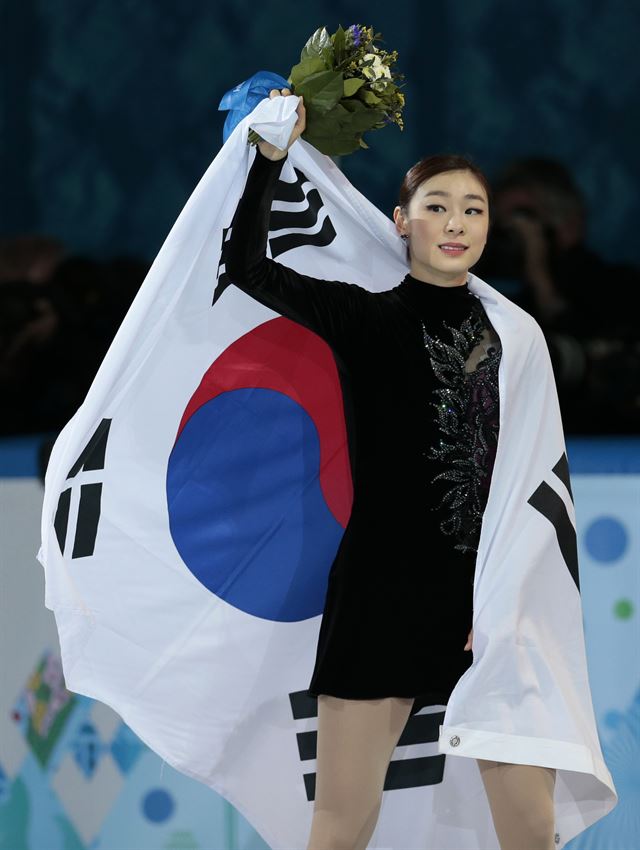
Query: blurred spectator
(29, 258)
(538, 245)
(54, 336)
(58, 315)
(537, 256)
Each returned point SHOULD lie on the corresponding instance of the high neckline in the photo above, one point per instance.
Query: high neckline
(425, 291)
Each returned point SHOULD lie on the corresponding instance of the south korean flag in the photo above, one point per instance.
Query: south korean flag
(195, 502)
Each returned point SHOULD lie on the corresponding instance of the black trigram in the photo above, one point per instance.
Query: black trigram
(403, 773)
(91, 458)
(305, 218)
(550, 504)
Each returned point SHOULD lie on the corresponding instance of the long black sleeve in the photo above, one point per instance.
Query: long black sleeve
(329, 308)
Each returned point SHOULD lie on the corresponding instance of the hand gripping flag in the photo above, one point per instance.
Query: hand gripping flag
(195, 502)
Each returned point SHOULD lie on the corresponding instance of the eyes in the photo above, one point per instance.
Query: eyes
(440, 208)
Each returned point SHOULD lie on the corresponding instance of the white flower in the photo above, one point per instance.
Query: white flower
(377, 69)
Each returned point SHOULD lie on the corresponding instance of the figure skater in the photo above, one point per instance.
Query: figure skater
(418, 366)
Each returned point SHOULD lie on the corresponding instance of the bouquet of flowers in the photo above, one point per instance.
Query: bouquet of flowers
(348, 88)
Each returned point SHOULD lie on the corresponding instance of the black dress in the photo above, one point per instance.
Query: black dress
(418, 366)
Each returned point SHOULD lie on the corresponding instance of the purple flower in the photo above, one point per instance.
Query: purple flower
(356, 32)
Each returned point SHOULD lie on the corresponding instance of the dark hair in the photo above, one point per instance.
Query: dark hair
(430, 166)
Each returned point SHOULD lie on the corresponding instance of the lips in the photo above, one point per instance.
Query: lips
(453, 249)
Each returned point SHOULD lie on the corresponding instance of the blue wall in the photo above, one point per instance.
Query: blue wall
(111, 107)
(87, 783)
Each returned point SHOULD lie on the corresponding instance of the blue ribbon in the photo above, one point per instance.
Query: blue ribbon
(244, 98)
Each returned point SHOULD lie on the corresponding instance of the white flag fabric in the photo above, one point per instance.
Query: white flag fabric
(186, 540)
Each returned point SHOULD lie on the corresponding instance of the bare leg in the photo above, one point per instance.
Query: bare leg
(356, 739)
(521, 801)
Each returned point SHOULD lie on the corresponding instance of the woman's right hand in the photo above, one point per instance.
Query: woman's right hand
(271, 151)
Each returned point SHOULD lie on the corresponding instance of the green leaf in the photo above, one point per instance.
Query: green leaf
(306, 68)
(352, 85)
(369, 97)
(339, 45)
(253, 138)
(321, 91)
(352, 104)
(367, 120)
(333, 137)
(341, 123)
(316, 44)
(327, 55)
(333, 145)
(333, 140)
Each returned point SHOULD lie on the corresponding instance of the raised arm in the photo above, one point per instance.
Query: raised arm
(329, 308)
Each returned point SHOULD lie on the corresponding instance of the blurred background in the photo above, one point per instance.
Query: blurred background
(109, 116)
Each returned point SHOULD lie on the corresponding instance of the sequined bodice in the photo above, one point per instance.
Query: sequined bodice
(465, 360)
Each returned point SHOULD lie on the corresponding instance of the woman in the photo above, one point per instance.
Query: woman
(418, 366)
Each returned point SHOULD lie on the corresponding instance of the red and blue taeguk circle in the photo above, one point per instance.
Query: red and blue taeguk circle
(259, 486)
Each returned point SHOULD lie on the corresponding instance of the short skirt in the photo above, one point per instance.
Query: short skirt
(397, 613)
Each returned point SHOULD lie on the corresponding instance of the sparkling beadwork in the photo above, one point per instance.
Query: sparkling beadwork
(467, 414)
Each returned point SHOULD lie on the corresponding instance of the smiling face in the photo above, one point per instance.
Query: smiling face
(447, 222)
